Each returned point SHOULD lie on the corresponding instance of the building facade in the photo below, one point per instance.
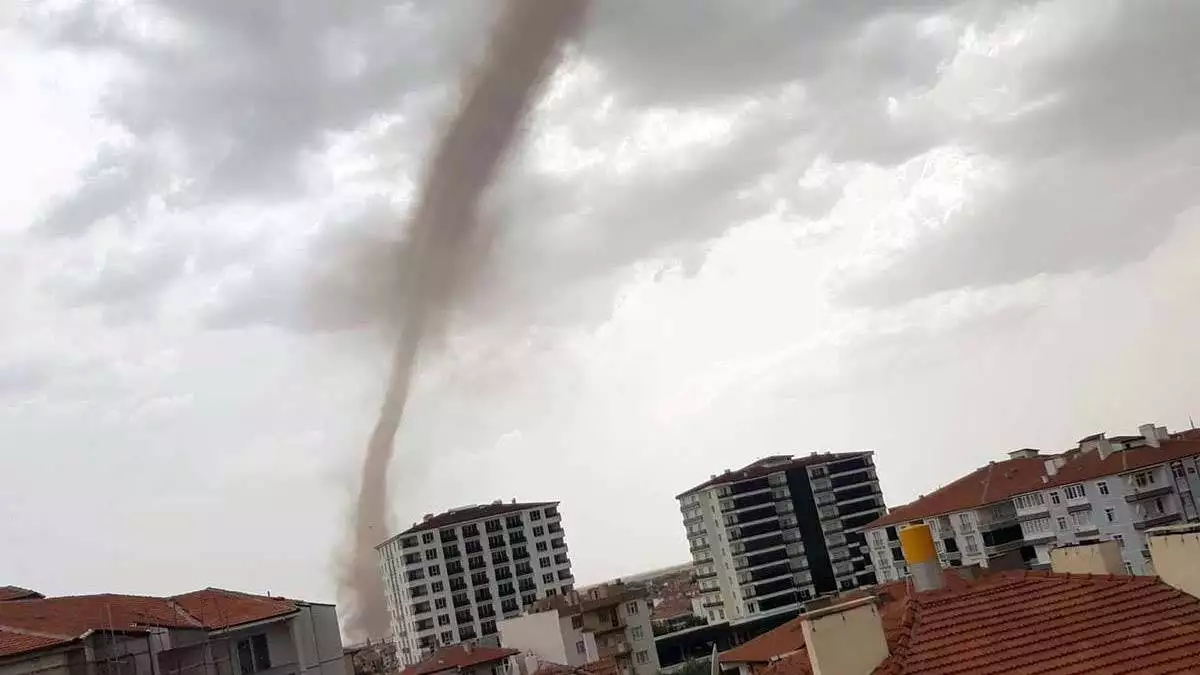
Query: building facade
(452, 577)
(605, 623)
(780, 531)
(208, 632)
(1017, 511)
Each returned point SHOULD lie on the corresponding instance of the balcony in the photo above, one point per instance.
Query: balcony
(601, 623)
(1149, 520)
(1137, 494)
(750, 486)
(614, 649)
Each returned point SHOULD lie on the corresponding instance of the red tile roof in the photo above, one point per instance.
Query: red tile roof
(988, 484)
(218, 608)
(455, 657)
(999, 481)
(605, 666)
(671, 607)
(36, 623)
(467, 514)
(760, 468)
(1027, 622)
(17, 593)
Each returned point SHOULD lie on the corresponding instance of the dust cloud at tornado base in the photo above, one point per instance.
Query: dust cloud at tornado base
(524, 48)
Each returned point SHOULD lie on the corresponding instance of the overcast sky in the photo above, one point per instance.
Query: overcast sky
(940, 231)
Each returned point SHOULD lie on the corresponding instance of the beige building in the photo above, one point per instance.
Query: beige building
(605, 623)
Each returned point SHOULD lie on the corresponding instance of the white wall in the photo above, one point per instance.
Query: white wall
(538, 634)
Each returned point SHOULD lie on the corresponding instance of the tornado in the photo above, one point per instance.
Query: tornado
(524, 47)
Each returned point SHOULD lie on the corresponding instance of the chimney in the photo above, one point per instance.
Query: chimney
(1174, 550)
(1023, 453)
(1150, 433)
(1100, 557)
(1162, 433)
(427, 516)
(916, 541)
(514, 500)
(1051, 467)
(845, 639)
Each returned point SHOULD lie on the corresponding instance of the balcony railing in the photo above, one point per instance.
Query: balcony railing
(1148, 492)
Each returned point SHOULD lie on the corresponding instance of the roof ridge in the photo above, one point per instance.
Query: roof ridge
(35, 633)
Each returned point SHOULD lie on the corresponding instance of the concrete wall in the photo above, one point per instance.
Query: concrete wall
(68, 661)
(1175, 551)
(640, 635)
(1100, 558)
(846, 639)
(539, 634)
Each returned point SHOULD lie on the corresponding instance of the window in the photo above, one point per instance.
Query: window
(541, 546)
(1054, 498)
(637, 632)
(1144, 479)
(1075, 492)
(427, 538)
(439, 603)
(535, 515)
(580, 647)
(1030, 501)
(431, 554)
(253, 655)
(721, 613)
(443, 619)
(437, 587)
(1102, 487)
(1158, 505)
(496, 541)
(643, 657)
(632, 607)
(447, 637)
(544, 561)
(548, 578)
(1062, 523)
(1128, 568)
(434, 570)
(408, 542)
(1110, 515)
(539, 531)
(421, 607)
(577, 622)
(970, 544)
(1082, 519)
(487, 627)
(1120, 540)
(551, 591)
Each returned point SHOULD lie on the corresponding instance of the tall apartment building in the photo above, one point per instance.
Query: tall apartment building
(780, 531)
(453, 576)
(1015, 512)
(611, 622)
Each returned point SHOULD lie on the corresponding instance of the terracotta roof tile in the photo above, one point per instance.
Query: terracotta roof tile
(1032, 622)
(455, 657)
(758, 468)
(219, 608)
(467, 514)
(606, 666)
(999, 481)
(17, 593)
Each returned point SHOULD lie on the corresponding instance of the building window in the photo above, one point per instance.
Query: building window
(580, 647)
(443, 619)
(437, 587)
(643, 657)
(447, 637)
(535, 515)
(632, 607)
(551, 591)
(1110, 515)
(427, 538)
(1062, 523)
(539, 531)
(253, 655)
(637, 632)
(439, 603)
(1054, 498)
(1075, 492)
(721, 613)
(1102, 487)
(544, 561)
(964, 519)
(1128, 568)
(577, 622)
(547, 578)
(970, 545)
(1120, 539)
(541, 546)
(434, 570)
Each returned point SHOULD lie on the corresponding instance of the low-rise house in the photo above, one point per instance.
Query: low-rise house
(978, 621)
(208, 632)
(464, 659)
(610, 622)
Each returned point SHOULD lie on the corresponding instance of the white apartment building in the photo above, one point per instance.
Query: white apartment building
(1017, 511)
(779, 531)
(452, 577)
(605, 622)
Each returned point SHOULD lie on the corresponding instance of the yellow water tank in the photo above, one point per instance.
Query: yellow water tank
(917, 543)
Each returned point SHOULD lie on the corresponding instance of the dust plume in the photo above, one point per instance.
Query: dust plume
(523, 49)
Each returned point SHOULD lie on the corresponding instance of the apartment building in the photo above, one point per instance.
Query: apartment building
(1015, 512)
(206, 632)
(452, 577)
(609, 623)
(781, 530)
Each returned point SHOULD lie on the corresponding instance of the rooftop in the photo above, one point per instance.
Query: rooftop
(999, 481)
(456, 657)
(467, 514)
(769, 465)
(1017, 622)
(594, 598)
(37, 623)
(606, 666)
(17, 593)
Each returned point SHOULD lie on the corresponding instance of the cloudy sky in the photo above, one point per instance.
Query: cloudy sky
(936, 230)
